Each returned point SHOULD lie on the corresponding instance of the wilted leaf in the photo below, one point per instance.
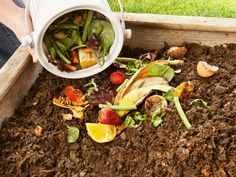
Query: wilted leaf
(200, 101)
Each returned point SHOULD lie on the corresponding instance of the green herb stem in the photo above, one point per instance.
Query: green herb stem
(124, 59)
(181, 113)
(118, 108)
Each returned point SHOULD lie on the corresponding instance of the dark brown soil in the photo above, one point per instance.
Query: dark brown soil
(207, 149)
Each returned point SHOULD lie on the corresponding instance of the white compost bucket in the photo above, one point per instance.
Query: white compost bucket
(43, 12)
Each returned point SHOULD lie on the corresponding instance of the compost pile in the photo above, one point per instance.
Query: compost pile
(207, 148)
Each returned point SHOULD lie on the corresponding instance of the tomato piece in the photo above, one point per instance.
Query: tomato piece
(117, 78)
(72, 93)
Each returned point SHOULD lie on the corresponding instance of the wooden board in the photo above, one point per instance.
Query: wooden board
(190, 23)
(16, 78)
(149, 32)
(151, 38)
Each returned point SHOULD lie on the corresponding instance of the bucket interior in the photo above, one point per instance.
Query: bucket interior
(67, 18)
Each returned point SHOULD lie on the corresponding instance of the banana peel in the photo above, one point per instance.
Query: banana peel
(140, 85)
(136, 96)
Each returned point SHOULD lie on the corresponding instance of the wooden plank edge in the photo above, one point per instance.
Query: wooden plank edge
(190, 23)
(12, 70)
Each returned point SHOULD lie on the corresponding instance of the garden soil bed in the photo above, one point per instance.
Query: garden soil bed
(208, 148)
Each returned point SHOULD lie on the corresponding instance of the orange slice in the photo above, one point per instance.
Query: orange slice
(101, 133)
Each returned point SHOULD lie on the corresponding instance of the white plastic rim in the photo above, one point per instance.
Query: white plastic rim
(113, 51)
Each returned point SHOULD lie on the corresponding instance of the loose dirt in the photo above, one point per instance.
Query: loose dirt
(207, 149)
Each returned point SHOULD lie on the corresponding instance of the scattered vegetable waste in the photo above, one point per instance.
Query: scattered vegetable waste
(114, 115)
(75, 101)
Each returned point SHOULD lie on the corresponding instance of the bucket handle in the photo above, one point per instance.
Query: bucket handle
(28, 39)
(127, 32)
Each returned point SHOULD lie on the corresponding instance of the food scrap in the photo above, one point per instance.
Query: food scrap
(101, 133)
(176, 52)
(74, 100)
(38, 131)
(73, 134)
(122, 112)
(206, 70)
(78, 40)
(117, 78)
(109, 116)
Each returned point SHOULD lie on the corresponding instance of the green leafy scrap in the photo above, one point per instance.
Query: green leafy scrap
(136, 120)
(138, 117)
(169, 95)
(156, 121)
(73, 134)
(163, 71)
(91, 87)
(200, 101)
(157, 117)
(129, 121)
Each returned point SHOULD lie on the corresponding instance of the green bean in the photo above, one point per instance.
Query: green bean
(61, 56)
(47, 42)
(79, 41)
(52, 52)
(87, 23)
(74, 36)
(68, 42)
(61, 46)
(64, 26)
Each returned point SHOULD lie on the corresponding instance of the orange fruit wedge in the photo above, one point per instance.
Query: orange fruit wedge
(101, 133)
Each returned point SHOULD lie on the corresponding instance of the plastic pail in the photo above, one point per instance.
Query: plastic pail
(43, 12)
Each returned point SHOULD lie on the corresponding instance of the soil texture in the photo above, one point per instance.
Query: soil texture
(207, 149)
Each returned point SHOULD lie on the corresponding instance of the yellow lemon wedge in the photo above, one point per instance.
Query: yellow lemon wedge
(101, 133)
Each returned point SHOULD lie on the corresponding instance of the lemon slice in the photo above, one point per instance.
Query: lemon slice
(101, 133)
